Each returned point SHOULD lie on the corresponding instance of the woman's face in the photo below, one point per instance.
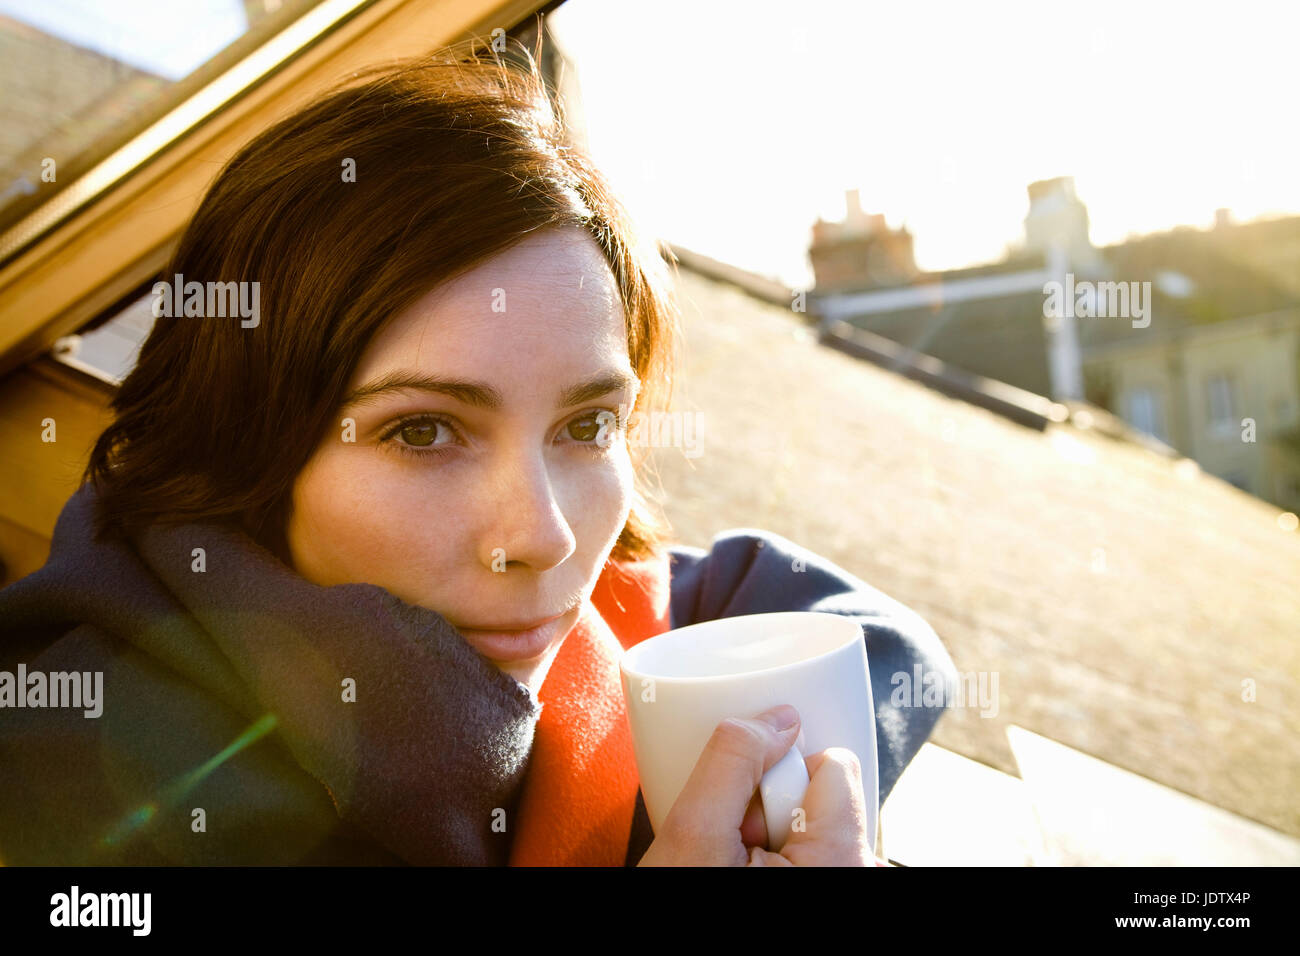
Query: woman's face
(481, 482)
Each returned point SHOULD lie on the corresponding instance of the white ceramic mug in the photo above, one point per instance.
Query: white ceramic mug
(681, 684)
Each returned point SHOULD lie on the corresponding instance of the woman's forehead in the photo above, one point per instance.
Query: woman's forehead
(547, 303)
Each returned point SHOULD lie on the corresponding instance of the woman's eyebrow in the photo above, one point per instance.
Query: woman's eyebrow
(482, 395)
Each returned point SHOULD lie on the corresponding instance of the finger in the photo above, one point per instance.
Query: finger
(713, 804)
(813, 761)
(835, 804)
(760, 857)
(753, 829)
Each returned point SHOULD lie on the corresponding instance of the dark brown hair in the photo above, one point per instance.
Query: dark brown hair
(458, 156)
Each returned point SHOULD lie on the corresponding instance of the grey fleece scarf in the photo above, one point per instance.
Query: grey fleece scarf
(393, 740)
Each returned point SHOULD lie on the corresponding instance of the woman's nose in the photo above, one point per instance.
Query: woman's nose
(525, 523)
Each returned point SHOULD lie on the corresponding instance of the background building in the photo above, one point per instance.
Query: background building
(1215, 375)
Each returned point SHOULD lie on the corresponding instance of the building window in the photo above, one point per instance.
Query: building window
(1223, 417)
(1143, 412)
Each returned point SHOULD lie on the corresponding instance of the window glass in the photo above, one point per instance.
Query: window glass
(83, 77)
(1220, 390)
(1144, 412)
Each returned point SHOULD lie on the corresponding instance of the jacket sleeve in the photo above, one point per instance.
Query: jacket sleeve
(749, 571)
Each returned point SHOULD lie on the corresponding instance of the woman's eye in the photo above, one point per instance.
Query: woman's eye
(585, 428)
(416, 433)
(419, 433)
(595, 428)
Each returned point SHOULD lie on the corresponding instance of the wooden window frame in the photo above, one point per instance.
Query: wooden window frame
(116, 243)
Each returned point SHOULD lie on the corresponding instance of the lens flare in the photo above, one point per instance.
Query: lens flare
(176, 790)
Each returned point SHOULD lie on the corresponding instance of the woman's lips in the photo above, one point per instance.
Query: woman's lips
(509, 646)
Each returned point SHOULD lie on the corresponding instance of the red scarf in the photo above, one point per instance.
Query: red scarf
(579, 797)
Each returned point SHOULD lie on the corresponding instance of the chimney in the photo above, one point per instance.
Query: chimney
(855, 220)
(1064, 357)
(1058, 220)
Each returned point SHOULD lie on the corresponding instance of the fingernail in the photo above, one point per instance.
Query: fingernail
(782, 717)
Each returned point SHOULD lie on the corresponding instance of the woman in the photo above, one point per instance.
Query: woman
(356, 574)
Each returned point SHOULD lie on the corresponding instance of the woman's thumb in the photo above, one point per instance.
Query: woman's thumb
(728, 772)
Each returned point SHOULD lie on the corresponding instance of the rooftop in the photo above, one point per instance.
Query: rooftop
(1135, 609)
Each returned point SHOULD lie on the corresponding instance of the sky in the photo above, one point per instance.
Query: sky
(170, 38)
(730, 127)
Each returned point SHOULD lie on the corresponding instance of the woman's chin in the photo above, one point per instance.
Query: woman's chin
(530, 673)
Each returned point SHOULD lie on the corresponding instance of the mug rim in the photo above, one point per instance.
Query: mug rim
(627, 659)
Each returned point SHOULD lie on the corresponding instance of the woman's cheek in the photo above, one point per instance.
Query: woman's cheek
(404, 522)
(605, 497)
(353, 519)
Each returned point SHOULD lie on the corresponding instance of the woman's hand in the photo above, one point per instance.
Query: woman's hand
(717, 819)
